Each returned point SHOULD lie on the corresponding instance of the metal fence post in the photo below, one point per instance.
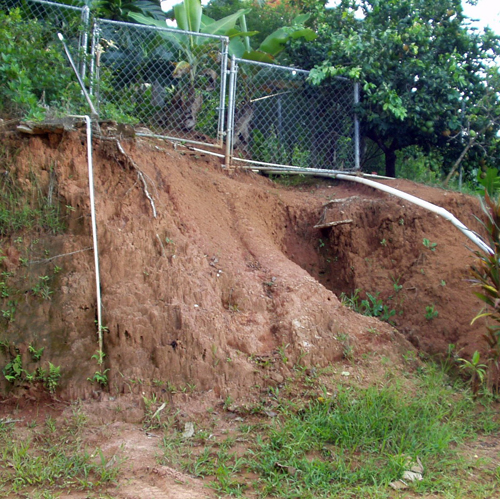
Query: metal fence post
(230, 112)
(84, 40)
(93, 58)
(222, 103)
(357, 163)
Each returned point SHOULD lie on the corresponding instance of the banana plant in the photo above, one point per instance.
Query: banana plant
(189, 16)
(274, 43)
(196, 54)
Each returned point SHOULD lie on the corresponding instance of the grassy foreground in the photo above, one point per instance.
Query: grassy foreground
(303, 440)
(350, 443)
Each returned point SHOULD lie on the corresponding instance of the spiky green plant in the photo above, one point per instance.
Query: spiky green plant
(486, 275)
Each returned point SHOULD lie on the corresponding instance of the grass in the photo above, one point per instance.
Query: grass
(52, 458)
(349, 444)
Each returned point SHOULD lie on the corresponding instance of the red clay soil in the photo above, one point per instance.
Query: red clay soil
(230, 276)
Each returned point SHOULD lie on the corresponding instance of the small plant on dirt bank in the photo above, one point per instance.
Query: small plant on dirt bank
(430, 312)
(100, 377)
(36, 354)
(50, 377)
(14, 371)
(475, 370)
(42, 288)
(429, 245)
(371, 305)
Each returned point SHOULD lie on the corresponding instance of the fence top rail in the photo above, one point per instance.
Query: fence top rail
(59, 5)
(277, 66)
(273, 66)
(224, 39)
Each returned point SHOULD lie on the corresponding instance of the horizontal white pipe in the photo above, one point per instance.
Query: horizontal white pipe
(297, 170)
(475, 238)
(174, 139)
(207, 152)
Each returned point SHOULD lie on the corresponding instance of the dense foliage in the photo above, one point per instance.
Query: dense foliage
(429, 83)
(264, 18)
(427, 79)
(33, 73)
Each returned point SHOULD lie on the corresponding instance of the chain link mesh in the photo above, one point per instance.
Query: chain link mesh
(281, 119)
(173, 84)
(166, 80)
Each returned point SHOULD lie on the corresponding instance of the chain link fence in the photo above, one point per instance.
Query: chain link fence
(172, 84)
(169, 81)
(278, 118)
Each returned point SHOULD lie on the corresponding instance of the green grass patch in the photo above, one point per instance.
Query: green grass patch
(52, 458)
(352, 444)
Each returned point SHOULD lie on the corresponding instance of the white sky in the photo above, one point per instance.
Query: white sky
(487, 13)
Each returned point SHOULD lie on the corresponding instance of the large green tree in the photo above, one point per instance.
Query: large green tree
(422, 72)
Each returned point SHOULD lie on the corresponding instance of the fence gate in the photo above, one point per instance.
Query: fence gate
(277, 118)
(170, 81)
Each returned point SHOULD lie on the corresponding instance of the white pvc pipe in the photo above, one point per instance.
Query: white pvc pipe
(361, 179)
(475, 238)
(94, 229)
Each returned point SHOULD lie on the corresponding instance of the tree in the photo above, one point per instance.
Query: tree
(419, 67)
(264, 18)
(480, 123)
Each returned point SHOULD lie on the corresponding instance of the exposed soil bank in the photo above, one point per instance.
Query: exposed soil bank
(231, 285)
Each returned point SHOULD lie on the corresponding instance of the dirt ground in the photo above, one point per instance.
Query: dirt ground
(229, 287)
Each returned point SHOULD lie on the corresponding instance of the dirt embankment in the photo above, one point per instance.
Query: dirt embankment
(230, 285)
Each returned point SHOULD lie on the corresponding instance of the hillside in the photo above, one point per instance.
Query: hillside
(210, 309)
(230, 271)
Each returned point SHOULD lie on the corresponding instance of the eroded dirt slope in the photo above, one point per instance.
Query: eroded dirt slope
(231, 284)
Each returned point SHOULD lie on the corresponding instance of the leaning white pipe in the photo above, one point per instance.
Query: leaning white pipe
(94, 230)
(475, 238)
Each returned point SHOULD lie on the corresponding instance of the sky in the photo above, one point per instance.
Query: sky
(487, 12)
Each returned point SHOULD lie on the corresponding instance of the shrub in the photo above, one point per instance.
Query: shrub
(34, 74)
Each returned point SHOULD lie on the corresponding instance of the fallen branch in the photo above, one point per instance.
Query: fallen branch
(9, 421)
(343, 200)
(161, 245)
(333, 224)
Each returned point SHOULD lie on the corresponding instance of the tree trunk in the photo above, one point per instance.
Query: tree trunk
(389, 152)
(390, 163)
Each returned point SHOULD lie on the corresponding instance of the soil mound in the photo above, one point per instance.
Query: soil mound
(230, 286)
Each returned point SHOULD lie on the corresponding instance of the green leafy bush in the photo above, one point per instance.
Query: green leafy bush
(34, 74)
(371, 306)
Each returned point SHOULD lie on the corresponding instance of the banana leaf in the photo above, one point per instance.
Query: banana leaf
(188, 15)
